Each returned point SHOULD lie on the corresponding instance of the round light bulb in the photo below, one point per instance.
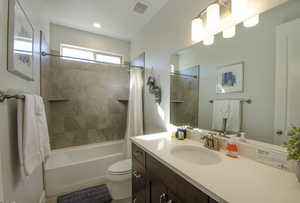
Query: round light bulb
(239, 9)
(209, 40)
(251, 21)
(97, 25)
(197, 29)
(213, 17)
(229, 32)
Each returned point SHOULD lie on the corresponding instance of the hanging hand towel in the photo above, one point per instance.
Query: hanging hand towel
(28, 139)
(42, 127)
(235, 114)
(220, 112)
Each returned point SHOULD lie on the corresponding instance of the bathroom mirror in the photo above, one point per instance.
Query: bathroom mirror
(258, 67)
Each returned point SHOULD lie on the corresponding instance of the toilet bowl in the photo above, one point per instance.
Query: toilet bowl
(119, 179)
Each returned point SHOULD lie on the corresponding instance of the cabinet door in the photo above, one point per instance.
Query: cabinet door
(138, 182)
(172, 198)
(158, 192)
(212, 201)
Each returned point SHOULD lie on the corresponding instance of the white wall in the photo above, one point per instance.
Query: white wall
(16, 188)
(166, 33)
(66, 35)
(1, 181)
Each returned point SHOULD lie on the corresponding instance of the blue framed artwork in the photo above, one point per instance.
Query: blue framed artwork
(230, 78)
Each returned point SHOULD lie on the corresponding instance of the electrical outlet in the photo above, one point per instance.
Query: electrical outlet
(272, 158)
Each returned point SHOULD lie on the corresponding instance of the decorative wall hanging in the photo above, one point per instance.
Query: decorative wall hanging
(20, 42)
(153, 88)
(230, 78)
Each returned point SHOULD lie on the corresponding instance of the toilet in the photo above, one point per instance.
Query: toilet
(119, 179)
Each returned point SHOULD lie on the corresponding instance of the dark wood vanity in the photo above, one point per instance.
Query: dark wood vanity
(153, 182)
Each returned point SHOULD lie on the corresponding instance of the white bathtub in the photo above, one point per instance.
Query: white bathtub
(74, 168)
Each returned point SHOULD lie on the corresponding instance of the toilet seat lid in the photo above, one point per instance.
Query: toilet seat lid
(121, 167)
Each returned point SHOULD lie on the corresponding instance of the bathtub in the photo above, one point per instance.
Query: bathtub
(74, 168)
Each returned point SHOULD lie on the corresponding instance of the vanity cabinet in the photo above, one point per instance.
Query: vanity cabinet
(153, 182)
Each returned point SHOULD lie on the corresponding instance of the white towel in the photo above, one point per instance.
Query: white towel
(220, 112)
(33, 137)
(230, 110)
(43, 132)
(235, 114)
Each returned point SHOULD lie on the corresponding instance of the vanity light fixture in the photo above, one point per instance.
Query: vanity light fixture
(197, 29)
(97, 25)
(239, 9)
(229, 32)
(251, 21)
(213, 17)
(209, 40)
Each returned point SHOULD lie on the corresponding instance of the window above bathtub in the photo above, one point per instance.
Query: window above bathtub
(76, 53)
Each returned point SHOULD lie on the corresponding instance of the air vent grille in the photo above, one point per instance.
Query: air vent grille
(140, 8)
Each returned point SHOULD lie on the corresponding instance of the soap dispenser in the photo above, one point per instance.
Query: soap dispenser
(232, 148)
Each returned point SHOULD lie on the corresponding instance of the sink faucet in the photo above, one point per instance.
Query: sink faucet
(211, 142)
(224, 131)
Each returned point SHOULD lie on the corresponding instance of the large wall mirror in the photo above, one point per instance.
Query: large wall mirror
(259, 68)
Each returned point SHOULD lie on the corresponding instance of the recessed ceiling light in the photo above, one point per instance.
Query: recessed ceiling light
(97, 25)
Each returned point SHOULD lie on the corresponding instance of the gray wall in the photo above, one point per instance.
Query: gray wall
(65, 35)
(256, 47)
(92, 113)
(26, 190)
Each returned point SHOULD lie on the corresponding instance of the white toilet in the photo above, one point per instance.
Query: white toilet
(119, 179)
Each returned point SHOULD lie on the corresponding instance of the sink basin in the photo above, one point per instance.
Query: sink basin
(196, 155)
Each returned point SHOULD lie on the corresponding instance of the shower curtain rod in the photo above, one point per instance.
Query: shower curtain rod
(81, 59)
(68, 57)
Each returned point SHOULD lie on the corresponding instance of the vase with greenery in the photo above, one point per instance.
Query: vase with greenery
(293, 147)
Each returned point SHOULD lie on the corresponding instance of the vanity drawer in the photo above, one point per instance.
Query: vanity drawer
(138, 154)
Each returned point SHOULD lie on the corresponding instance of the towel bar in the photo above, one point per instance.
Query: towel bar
(248, 101)
(4, 96)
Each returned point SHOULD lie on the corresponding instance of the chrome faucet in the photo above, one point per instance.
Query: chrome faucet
(211, 141)
(224, 131)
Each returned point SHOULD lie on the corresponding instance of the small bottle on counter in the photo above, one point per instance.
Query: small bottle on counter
(232, 148)
(181, 133)
(243, 137)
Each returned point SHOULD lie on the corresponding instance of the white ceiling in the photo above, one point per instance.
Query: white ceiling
(116, 16)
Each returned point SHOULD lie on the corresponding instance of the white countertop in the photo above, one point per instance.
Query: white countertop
(232, 180)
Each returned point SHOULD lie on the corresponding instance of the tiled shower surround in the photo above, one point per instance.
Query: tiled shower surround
(83, 101)
(184, 98)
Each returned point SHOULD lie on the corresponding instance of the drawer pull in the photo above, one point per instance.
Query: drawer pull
(162, 197)
(136, 175)
(134, 200)
(170, 201)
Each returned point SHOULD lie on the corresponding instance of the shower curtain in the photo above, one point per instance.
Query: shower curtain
(135, 108)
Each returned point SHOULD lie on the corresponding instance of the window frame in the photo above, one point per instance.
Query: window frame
(95, 53)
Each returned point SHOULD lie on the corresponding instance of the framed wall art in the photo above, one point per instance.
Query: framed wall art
(20, 42)
(230, 78)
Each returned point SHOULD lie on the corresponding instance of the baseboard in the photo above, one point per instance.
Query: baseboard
(43, 197)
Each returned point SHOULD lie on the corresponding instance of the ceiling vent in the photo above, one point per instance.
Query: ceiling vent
(140, 8)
